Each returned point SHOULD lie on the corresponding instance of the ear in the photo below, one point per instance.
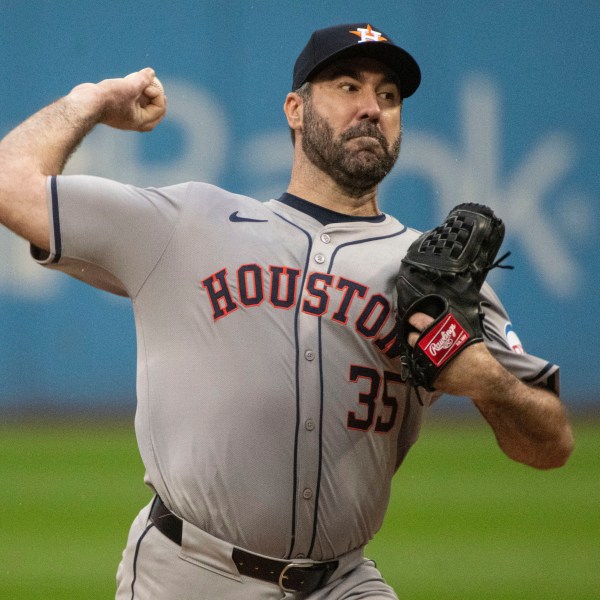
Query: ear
(293, 108)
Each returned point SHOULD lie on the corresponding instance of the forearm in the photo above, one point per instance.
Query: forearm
(39, 147)
(530, 423)
(42, 144)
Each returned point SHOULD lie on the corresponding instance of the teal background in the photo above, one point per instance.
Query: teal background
(507, 115)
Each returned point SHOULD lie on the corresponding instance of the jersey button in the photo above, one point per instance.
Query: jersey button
(307, 494)
(309, 355)
(325, 238)
(319, 258)
(309, 424)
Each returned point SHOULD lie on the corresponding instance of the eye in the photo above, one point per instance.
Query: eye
(389, 96)
(348, 86)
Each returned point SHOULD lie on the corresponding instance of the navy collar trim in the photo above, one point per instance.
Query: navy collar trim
(324, 215)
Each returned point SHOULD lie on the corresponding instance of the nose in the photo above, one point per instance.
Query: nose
(369, 109)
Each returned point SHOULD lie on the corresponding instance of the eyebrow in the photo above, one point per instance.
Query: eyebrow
(342, 71)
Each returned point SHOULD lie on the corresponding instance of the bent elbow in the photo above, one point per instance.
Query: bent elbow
(557, 454)
(553, 462)
(543, 455)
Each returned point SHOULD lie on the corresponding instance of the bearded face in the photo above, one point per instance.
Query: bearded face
(357, 159)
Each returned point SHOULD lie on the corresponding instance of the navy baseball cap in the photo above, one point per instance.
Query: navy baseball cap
(356, 39)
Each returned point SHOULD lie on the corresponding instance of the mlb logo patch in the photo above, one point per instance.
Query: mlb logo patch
(444, 340)
(513, 339)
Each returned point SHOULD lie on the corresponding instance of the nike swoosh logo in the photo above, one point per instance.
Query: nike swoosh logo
(235, 218)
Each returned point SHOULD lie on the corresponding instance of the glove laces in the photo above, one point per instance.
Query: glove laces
(498, 264)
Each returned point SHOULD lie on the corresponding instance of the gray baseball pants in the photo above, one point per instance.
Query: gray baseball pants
(155, 568)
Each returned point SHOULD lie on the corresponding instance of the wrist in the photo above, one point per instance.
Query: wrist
(87, 102)
(495, 387)
(476, 374)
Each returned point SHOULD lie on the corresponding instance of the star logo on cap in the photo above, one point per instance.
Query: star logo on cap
(369, 35)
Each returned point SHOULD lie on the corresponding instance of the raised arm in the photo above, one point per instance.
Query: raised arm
(42, 144)
(530, 423)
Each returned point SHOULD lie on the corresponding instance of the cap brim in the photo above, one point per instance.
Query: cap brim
(394, 57)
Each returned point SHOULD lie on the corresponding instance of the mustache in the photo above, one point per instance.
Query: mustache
(364, 130)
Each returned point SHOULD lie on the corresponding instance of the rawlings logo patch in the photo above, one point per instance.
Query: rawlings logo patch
(443, 341)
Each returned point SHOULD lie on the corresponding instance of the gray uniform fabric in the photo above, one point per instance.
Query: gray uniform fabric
(203, 570)
(269, 414)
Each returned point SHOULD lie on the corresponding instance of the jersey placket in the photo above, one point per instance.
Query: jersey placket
(310, 404)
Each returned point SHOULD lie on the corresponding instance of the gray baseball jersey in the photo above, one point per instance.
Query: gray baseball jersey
(272, 411)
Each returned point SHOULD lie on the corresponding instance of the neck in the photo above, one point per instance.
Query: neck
(310, 183)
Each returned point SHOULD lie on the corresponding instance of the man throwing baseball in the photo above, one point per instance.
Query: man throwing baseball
(279, 386)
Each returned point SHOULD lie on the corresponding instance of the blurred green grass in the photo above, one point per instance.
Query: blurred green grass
(464, 522)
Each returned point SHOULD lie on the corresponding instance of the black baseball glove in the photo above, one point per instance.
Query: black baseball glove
(441, 276)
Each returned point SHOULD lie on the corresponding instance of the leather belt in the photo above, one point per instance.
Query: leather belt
(290, 576)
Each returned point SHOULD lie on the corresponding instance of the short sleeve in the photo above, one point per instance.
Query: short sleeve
(505, 345)
(108, 234)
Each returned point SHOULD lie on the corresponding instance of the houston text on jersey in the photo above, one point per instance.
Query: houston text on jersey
(250, 286)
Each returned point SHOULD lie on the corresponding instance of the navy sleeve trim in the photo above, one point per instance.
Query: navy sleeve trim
(55, 220)
(541, 374)
(548, 377)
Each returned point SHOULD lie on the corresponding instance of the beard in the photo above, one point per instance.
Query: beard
(355, 170)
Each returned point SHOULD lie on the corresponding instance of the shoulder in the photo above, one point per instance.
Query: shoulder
(409, 235)
(197, 192)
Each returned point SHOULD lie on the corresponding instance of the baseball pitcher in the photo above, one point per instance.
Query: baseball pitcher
(287, 350)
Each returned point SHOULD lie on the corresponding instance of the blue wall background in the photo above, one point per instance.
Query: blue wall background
(507, 115)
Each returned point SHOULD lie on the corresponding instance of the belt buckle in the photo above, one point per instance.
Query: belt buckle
(283, 575)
